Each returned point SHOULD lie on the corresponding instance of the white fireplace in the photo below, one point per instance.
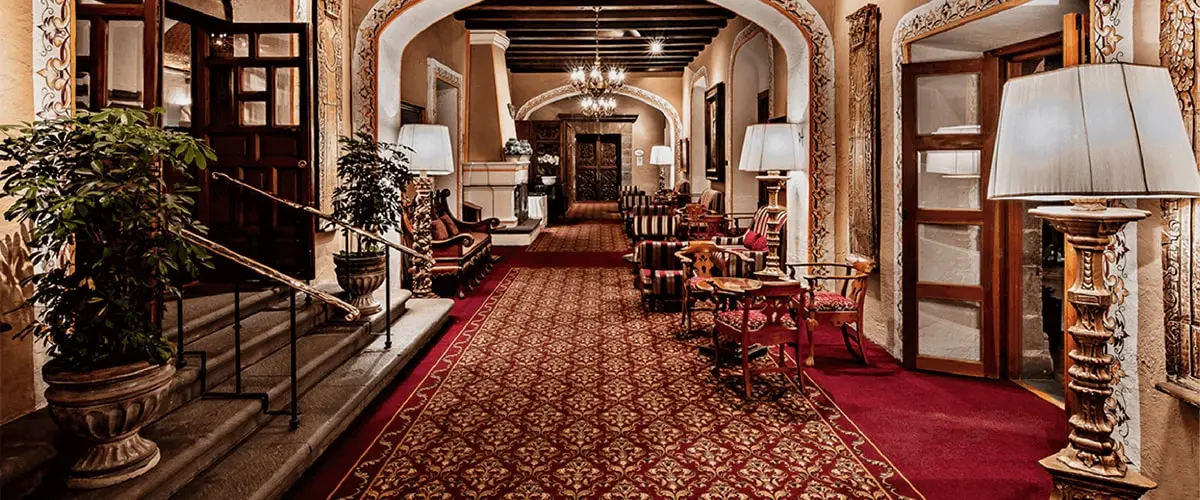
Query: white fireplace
(497, 187)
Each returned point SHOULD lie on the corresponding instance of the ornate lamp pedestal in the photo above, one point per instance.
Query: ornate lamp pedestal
(1092, 466)
(423, 237)
(773, 270)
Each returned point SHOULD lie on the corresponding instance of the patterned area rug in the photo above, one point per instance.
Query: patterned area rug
(560, 386)
(594, 237)
(594, 210)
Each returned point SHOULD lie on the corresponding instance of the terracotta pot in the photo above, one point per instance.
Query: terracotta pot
(360, 275)
(106, 409)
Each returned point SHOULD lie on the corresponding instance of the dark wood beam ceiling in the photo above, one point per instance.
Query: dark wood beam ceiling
(551, 35)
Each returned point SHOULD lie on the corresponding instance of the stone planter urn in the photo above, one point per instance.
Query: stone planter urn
(549, 180)
(360, 275)
(106, 409)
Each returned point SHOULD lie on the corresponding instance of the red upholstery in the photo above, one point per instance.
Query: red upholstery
(831, 301)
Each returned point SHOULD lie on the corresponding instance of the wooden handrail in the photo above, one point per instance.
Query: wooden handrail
(361, 232)
(352, 313)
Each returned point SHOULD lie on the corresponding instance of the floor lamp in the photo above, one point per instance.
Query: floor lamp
(429, 153)
(772, 149)
(1087, 134)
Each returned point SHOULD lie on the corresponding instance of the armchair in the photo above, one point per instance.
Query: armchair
(658, 271)
(702, 260)
(756, 259)
(841, 304)
(703, 219)
(462, 250)
(661, 227)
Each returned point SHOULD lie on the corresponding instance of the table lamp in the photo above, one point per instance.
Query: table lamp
(429, 153)
(772, 149)
(1087, 134)
(662, 156)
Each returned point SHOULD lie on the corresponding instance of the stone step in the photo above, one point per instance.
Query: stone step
(198, 434)
(208, 314)
(270, 461)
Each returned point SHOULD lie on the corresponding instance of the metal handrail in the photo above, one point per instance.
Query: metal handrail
(352, 313)
(361, 232)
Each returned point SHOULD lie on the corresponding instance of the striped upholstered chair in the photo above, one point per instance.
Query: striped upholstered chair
(755, 260)
(658, 273)
(630, 196)
(660, 227)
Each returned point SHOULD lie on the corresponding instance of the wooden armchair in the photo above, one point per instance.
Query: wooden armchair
(702, 260)
(771, 315)
(839, 305)
(461, 250)
(703, 219)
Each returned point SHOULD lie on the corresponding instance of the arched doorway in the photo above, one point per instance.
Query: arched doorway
(697, 87)
(801, 32)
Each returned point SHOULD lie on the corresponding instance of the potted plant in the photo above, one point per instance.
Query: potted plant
(107, 240)
(517, 150)
(548, 169)
(373, 177)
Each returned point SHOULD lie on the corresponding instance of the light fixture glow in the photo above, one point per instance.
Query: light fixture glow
(657, 46)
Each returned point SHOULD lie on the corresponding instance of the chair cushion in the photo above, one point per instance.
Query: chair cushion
(439, 230)
(451, 227)
(831, 302)
(757, 320)
(662, 283)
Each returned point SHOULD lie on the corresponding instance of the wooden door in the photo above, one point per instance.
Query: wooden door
(597, 167)
(951, 257)
(252, 104)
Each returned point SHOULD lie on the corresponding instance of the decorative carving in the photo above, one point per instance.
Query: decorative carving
(331, 99)
(1107, 17)
(1180, 242)
(864, 131)
(821, 97)
(422, 281)
(52, 57)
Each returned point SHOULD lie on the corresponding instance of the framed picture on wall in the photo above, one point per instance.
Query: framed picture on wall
(685, 157)
(714, 133)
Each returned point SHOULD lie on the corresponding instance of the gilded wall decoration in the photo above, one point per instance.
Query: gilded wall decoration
(864, 131)
(53, 62)
(1111, 21)
(808, 22)
(1181, 231)
(330, 98)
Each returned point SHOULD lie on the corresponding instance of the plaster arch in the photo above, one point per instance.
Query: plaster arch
(694, 106)
(798, 27)
(757, 69)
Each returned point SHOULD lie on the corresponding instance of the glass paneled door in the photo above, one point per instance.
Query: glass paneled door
(950, 246)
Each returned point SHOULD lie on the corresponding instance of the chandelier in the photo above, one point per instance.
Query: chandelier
(597, 80)
(598, 107)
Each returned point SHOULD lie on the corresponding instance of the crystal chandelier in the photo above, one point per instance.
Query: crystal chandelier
(597, 80)
(598, 107)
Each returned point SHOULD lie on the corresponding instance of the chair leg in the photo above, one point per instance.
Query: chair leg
(746, 370)
(716, 348)
(861, 352)
(812, 348)
(799, 368)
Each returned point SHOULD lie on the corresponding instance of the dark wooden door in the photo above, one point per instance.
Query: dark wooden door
(597, 167)
(951, 248)
(253, 105)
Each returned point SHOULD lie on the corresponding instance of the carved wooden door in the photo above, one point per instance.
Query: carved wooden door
(597, 167)
(252, 104)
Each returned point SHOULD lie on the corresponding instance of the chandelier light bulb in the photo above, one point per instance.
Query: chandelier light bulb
(656, 47)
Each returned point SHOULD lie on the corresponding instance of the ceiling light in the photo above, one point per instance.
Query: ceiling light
(657, 46)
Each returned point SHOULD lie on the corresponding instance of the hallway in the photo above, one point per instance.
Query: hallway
(553, 382)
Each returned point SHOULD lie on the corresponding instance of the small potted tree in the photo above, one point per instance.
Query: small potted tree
(373, 177)
(517, 150)
(107, 239)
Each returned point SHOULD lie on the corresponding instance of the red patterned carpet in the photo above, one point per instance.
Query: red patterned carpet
(553, 383)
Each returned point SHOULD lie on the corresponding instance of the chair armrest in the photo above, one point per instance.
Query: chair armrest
(483, 226)
(464, 239)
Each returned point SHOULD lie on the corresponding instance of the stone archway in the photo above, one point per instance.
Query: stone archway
(794, 23)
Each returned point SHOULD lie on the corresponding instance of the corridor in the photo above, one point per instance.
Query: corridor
(554, 382)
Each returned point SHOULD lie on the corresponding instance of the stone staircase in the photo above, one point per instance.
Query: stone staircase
(229, 448)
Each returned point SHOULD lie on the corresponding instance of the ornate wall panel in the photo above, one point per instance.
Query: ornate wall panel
(331, 96)
(53, 57)
(1181, 232)
(864, 131)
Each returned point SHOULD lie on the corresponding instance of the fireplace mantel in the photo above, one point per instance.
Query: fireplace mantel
(494, 186)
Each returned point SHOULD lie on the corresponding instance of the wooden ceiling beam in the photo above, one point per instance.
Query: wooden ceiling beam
(523, 32)
(586, 5)
(656, 71)
(605, 17)
(590, 26)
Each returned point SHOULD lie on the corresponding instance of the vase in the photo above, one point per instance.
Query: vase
(360, 274)
(105, 409)
(549, 180)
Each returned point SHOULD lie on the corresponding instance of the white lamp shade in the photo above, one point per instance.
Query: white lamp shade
(430, 148)
(774, 146)
(1098, 130)
(662, 155)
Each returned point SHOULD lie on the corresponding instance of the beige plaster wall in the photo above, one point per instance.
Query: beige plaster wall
(483, 124)
(526, 86)
(879, 317)
(18, 371)
(445, 41)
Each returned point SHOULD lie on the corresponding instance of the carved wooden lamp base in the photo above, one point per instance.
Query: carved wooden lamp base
(423, 237)
(1092, 466)
(773, 271)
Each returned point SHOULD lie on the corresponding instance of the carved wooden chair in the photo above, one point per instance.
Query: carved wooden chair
(836, 296)
(771, 315)
(702, 260)
(461, 250)
(703, 219)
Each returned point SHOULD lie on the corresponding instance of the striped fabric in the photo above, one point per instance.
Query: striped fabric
(654, 227)
(659, 254)
(660, 272)
(713, 200)
(757, 259)
(632, 199)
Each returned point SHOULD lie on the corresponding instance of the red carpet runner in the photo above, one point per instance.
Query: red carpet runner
(553, 383)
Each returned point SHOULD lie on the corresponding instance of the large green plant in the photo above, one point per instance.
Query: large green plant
(106, 230)
(370, 194)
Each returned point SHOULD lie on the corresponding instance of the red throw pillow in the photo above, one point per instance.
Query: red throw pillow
(754, 241)
(439, 230)
(451, 228)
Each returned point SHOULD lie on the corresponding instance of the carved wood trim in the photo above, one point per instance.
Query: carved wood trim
(864, 131)
(1180, 239)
